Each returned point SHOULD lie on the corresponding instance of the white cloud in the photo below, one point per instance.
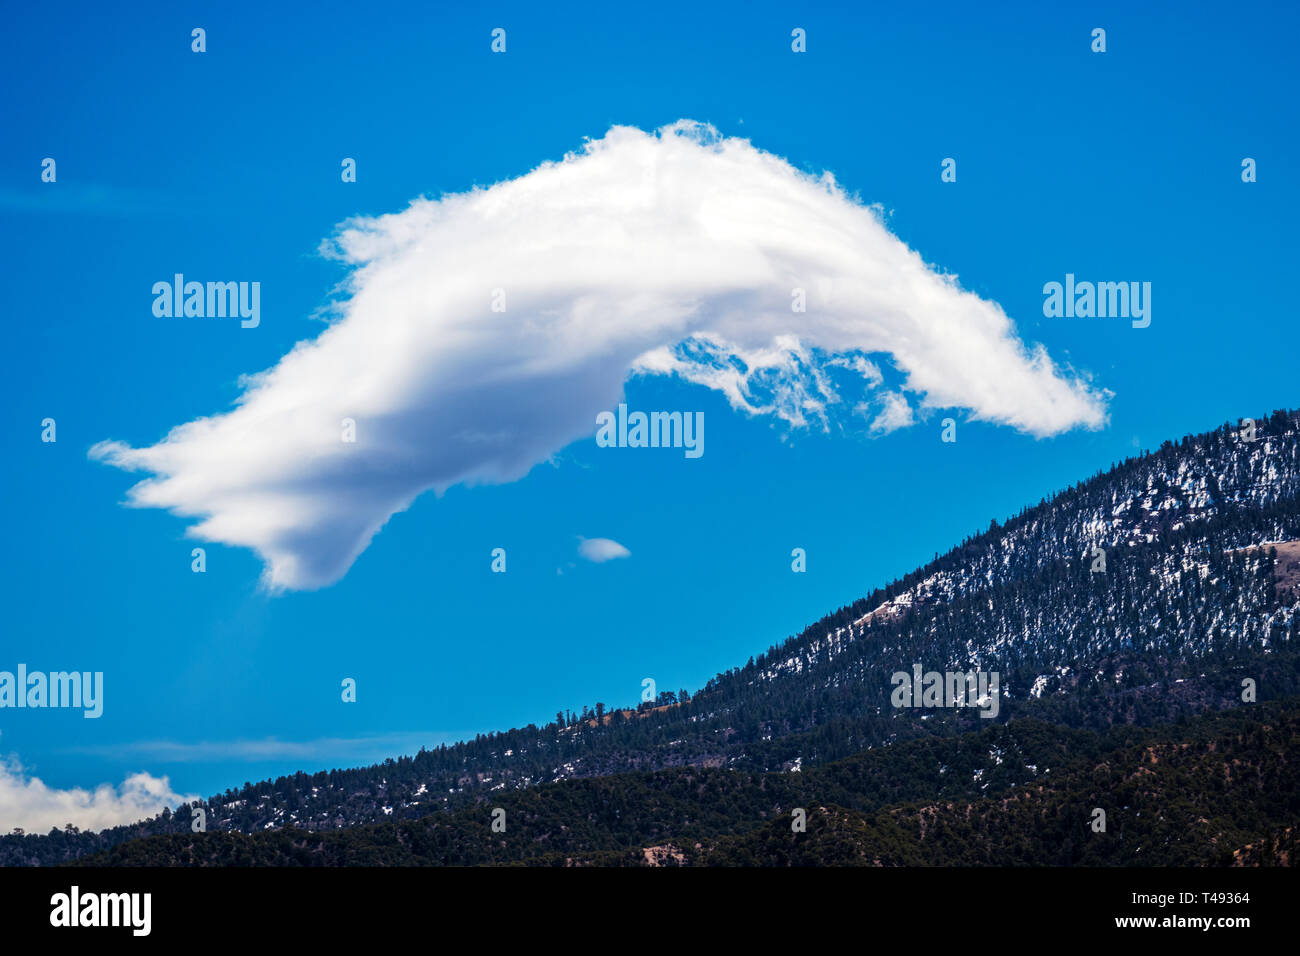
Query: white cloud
(669, 252)
(601, 550)
(27, 802)
(894, 414)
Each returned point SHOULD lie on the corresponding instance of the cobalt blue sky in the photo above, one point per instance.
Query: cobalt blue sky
(1122, 166)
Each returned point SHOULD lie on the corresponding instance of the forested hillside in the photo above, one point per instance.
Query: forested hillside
(1209, 791)
(1197, 593)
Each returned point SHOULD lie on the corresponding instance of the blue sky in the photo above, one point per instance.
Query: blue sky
(225, 165)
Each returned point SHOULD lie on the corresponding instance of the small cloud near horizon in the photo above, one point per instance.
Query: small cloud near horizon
(30, 803)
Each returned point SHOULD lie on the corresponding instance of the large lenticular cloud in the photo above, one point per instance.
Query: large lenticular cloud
(669, 252)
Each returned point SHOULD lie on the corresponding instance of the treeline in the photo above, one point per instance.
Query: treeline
(1178, 619)
(1197, 792)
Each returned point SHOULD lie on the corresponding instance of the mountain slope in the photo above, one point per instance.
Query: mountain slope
(1196, 793)
(1199, 593)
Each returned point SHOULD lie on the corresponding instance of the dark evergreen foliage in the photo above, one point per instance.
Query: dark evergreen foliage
(1214, 790)
(1191, 603)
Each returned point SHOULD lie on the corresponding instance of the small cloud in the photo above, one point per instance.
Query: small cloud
(28, 802)
(601, 550)
(895, 414)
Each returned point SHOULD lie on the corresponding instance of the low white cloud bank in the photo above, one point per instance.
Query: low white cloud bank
(601, 550)
(676, 252)
(27, 802)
